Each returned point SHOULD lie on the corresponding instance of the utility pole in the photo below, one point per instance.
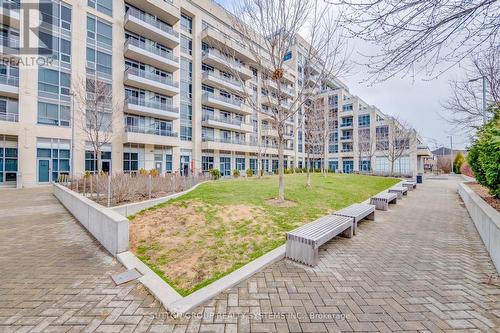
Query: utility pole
(451, 153)
(72, 156)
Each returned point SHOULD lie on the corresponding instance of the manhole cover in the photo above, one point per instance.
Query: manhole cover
(125, 277)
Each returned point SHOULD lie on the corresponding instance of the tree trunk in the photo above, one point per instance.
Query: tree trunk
(98, 160)
(308, 183)
(281, 189)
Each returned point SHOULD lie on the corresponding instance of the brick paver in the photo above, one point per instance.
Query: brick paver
(420, 266)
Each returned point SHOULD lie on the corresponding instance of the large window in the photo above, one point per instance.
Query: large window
(240, 163)
(99, 62)
(186, 23)
(253, 165)
(99, 31)
(55, 14)
(61, 47)
(130, 162)
(207, 163)
(364, 120)
(104, 6)
(53, 159)
(8, 162)
(168, 163)
(53, 114)
(53, 82)
(186, 45)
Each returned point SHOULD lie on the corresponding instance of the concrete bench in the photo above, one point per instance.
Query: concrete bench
(382, 200)
(410, 184)
(399, 190)
(302, 244)
(358, 212)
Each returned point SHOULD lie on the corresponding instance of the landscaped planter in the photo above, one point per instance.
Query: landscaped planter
(486, 220)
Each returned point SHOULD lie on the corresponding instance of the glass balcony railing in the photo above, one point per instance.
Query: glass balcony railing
(236, 141)
(224, 99)
(152, 104)
(231, 81)
(10, 41)
(12, 117)
(223, 58)
(9, 80)
(148, 130)
(151, 48)
(152, 76)
(151, 20)
(225, 120)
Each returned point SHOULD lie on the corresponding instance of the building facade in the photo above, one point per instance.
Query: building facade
(178, 107)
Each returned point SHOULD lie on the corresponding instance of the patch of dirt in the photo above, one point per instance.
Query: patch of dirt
(281, 203)
(483, 193)
(192, 241)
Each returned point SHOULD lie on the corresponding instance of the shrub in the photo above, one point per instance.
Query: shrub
(466, 170)
(215, 173)
(288, 171)
(236, 173)
(457, 162)
(249, 173)
(153, 172)
(297, 170)
(484, 155)
(143, 171)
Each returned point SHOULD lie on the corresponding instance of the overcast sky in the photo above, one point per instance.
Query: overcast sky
(417, 100)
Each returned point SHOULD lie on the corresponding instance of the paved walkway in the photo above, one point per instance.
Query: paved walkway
(420, 267)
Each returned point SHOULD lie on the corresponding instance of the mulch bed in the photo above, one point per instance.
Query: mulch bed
(483, 193)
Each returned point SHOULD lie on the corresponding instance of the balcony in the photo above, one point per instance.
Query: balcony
(9, 13)
(345, 138)
(9, 45)
(213, 36)
(222, 82)
(230, 144)
(346, 125)
(224, 103)
(151, 108)
(11, 117)
(285, 90)
(226, 123)
(273, 102)
(152, 136)
(163, 9)
(9, 86)
(151, 81)
(151, 28)
(267, 130)
(219, 60)
(147, 53)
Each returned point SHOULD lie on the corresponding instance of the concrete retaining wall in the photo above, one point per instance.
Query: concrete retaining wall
(133, 208)
(107, 226)
(486, 219)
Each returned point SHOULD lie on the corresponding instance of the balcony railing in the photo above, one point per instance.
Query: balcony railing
(152, 21)
(151, 48)
(12, 117)
(152, 104)
(152, 131)
(222, 57)
(346, 138)
(221, 77)
(9, 80)
(9, 41)
(226, 36)
(345, 124)
(233, 101)
(226, 140)
(152, 76)
(10, 5)
(225, 120)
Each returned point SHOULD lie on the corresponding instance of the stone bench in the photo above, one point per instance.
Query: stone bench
(302, 244)
(409, 184)
(382, 200)
(399, 190)
(358, 212)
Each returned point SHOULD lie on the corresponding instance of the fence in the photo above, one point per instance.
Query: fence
(117, 189)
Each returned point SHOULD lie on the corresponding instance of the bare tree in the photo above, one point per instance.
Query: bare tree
(366, 146)
(269, 30)
(416, 35)
(464, 108)
(314, 129)
(94, 99)
(401, 138)
(443, 164)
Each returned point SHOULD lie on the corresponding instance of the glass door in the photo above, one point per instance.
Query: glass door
(225, 166)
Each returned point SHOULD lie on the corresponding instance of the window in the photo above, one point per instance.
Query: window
(186, 45)
(186, 23)
(103, 6)
(130, 162)
(364, 120)
(287, 56)
(98, 61)
(54, 14)
(100, 31)
(240, 163)
(346, 122)
(53, 114)
(91, 161)
(60, 47)
(347, 107)
(53, 157)
(54, 82)
(8, 162)
(207, 163)
(364, 165)
(253, 165)
(186, 133)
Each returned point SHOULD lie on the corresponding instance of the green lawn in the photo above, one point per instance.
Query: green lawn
(224, 224)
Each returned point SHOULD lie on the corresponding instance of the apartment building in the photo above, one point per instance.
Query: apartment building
(179, 109)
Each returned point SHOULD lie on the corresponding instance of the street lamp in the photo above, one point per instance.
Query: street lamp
(451, 153)
(72, 166)
(484, 95)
